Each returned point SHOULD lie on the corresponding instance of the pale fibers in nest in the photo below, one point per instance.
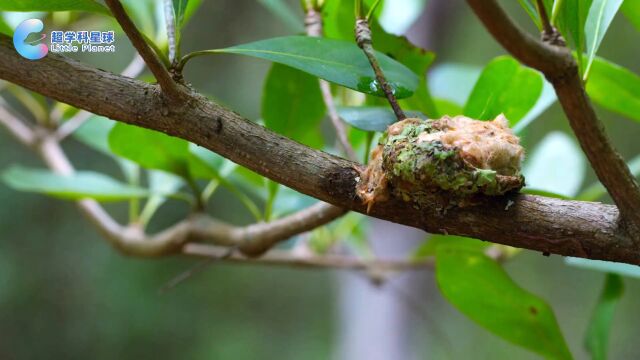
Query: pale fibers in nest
(487, 145)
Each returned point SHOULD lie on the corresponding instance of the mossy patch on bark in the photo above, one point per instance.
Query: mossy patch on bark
(458, 158)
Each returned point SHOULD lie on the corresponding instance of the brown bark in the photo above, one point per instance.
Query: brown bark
(574, 228)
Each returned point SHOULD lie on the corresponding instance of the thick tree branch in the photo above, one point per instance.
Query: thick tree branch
(168, 85)
(574, 228)
(560, 68)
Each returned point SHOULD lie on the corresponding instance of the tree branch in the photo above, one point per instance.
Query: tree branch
(574, 228)
(168, 85)
(560, 68)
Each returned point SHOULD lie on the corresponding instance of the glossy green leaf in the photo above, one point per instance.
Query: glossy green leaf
(95, 133)
(544, 193)
(416, 59)
(80, 185)
(150, 149)
(600, 17)
(546, 99)
(482, 290)
(447, 107)
(340, 62)
(373, 118)
(505, 87)
(205, 164)
(5, 28)
(615, 88)
(339, 20)
(597, 337)
(292, 105)
(429, 247)
(631, 10)
(556, 165)
(179, 9)
(571, 20)
(53, 5)
(531, 10)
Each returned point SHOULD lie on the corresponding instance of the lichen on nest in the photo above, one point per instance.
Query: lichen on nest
(457, 158)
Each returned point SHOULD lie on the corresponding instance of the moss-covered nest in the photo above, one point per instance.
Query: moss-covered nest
(458, 158)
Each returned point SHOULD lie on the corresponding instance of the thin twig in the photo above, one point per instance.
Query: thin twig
(363, 39)
(162, 75)
(194, 270)
(286, 258)
(550, 34)
(17, 128)
(313, 25)
(544, 18)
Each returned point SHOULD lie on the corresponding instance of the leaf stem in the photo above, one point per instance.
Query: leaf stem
(189, 56)
(363, 39)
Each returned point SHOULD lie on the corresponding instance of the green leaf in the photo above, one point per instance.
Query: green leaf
(95, 133)
(5, 28)
(205, 164)
(631, 10)
(571, 19)
(483, 291)
(340, 62)
(531, 11)
(597, 337)
(179, 9)
(339, 20)
(372, 118)
(430, 246)
(292, 105)
(416, 59)
(80, 185)
(615, 88)
(53, 5)
(150, 149)
(556, 165)
(544, 193)
(448, 107)
(600, 16)
(505, 87)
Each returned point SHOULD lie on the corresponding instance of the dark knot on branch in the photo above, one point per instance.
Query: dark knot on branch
(363, 33)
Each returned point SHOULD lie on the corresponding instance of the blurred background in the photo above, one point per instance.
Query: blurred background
(66, 294)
